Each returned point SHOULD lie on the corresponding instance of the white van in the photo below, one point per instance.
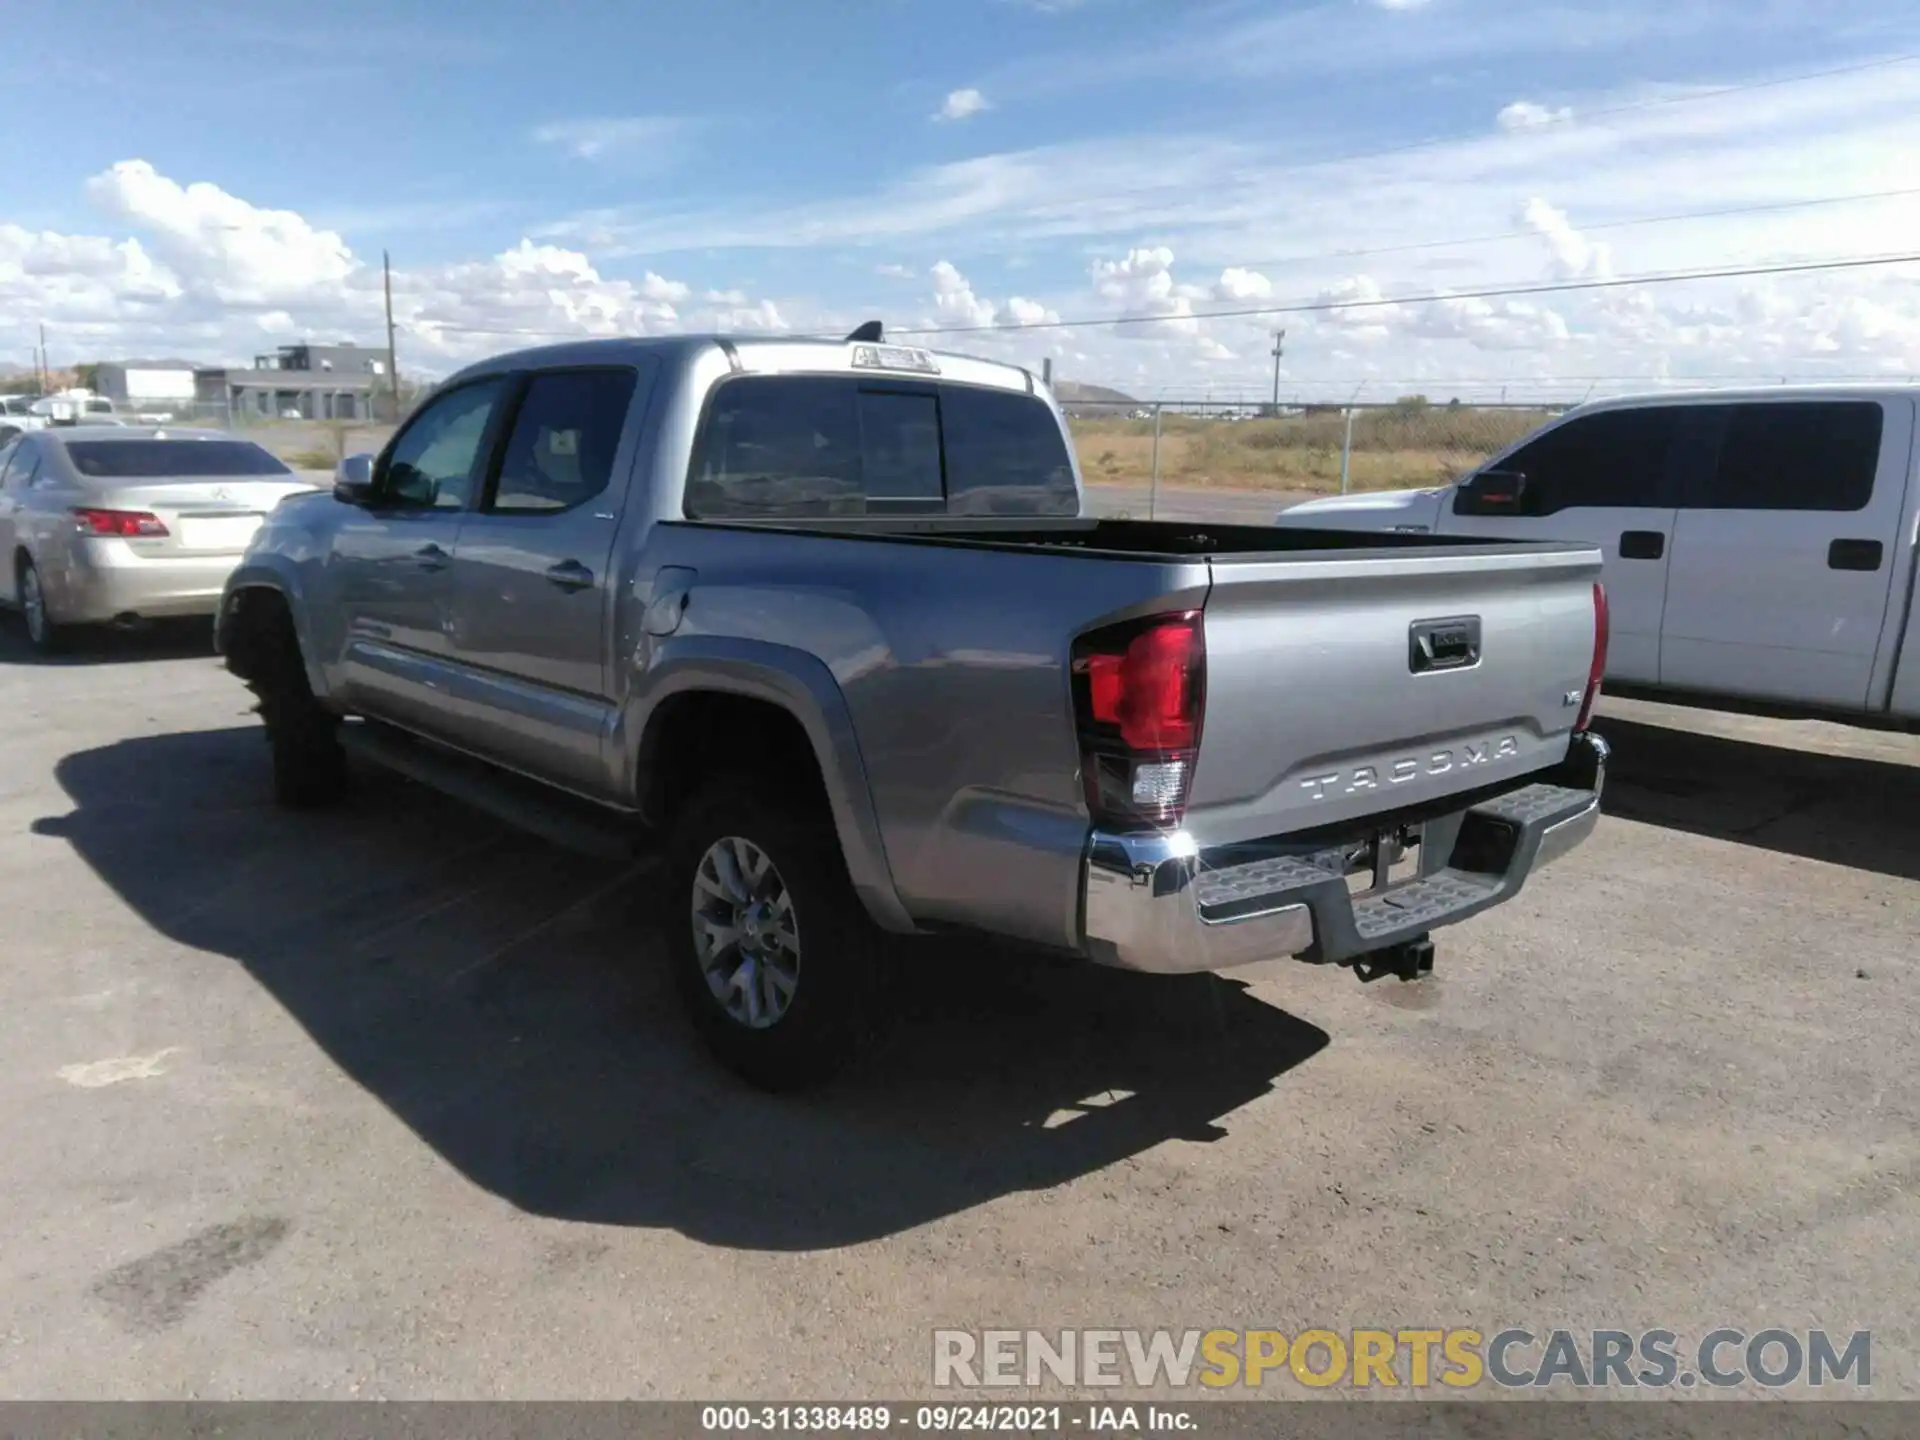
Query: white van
(1759, 544)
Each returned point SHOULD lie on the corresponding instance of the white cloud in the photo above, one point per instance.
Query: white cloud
(651, 139)
(211, 275)
(1237, 284)
(1574, 256)
(1398, 4)
(961, 105)
(955, 303)
(1021, 311)
(761, 315)
(1525, 115)
(954, 299)
(896, 272)
(673, 292)
(218, 244)
(1141, 285)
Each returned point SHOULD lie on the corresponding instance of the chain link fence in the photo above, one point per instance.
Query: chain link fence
(1136, 452)
(1292, 450)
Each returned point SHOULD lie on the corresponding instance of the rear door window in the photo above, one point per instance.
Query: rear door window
(1612, 459)
(797, 446)
(560, 453)
(1792, 455)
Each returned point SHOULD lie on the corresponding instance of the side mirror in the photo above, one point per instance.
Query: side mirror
(353, 480)
(1492, 492)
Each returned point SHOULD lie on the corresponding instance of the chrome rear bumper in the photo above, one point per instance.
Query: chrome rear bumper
(1157, 902)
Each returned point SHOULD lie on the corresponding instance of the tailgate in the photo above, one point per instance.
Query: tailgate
(1344, 685)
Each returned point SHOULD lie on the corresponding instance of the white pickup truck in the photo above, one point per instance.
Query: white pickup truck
(1759, 544)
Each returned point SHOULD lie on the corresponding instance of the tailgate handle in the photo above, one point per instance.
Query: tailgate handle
(1854, 555)
(1443, 644)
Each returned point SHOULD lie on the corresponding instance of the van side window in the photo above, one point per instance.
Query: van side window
(1793, 455)
(1616, 458)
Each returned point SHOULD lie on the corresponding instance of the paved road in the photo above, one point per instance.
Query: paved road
(390, 1102)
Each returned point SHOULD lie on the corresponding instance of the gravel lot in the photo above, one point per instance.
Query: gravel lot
(392, 1102)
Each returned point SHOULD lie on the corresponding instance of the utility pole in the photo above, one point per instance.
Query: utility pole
(44, 386)
(1279, 348)
(393, 365)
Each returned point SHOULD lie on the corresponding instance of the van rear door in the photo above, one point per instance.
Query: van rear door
(1785, 549)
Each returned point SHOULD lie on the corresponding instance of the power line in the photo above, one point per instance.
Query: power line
(1586, 229)
(1558, 287)
(1302, 307)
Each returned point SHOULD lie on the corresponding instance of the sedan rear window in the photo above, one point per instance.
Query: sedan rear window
(171, 459)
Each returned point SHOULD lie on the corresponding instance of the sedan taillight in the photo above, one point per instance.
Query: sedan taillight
(126, 524)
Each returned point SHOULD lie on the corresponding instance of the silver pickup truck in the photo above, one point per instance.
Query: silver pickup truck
(825, 624)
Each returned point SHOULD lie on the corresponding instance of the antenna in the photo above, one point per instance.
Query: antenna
(869, 332)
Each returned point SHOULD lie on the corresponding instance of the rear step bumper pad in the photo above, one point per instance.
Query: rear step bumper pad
(1153, 902)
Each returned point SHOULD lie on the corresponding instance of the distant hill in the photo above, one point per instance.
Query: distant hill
(1069, 391)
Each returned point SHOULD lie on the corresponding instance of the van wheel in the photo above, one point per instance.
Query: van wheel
(309, 767)
(775, 959)
(44, 633)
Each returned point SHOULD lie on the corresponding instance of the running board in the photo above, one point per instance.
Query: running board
(570, 823)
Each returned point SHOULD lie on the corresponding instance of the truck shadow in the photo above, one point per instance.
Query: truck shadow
(505, 1000)
(1845, 810)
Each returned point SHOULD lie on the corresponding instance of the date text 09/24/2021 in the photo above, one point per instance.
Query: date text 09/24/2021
(944, 1419)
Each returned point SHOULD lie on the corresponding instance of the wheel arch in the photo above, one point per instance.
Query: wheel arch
(254, 592)
(702, 692)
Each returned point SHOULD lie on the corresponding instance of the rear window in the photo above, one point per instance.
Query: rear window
(1793, 455)
(777, 446)
(168, 459)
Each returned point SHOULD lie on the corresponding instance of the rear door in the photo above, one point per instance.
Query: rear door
(1605, 479)
(531, 573)
(1784, 551)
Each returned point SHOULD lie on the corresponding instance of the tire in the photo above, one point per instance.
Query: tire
(309, 767)
(816, 958)
(45, 634)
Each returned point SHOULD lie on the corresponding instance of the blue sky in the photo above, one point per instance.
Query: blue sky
(211, 185)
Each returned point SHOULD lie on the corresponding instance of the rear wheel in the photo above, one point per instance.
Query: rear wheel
(44, 633)
(774, 957)
(309, 767)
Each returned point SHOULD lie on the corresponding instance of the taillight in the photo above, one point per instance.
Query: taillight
(1599, 665)
(1139, 692)
(128, 524)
